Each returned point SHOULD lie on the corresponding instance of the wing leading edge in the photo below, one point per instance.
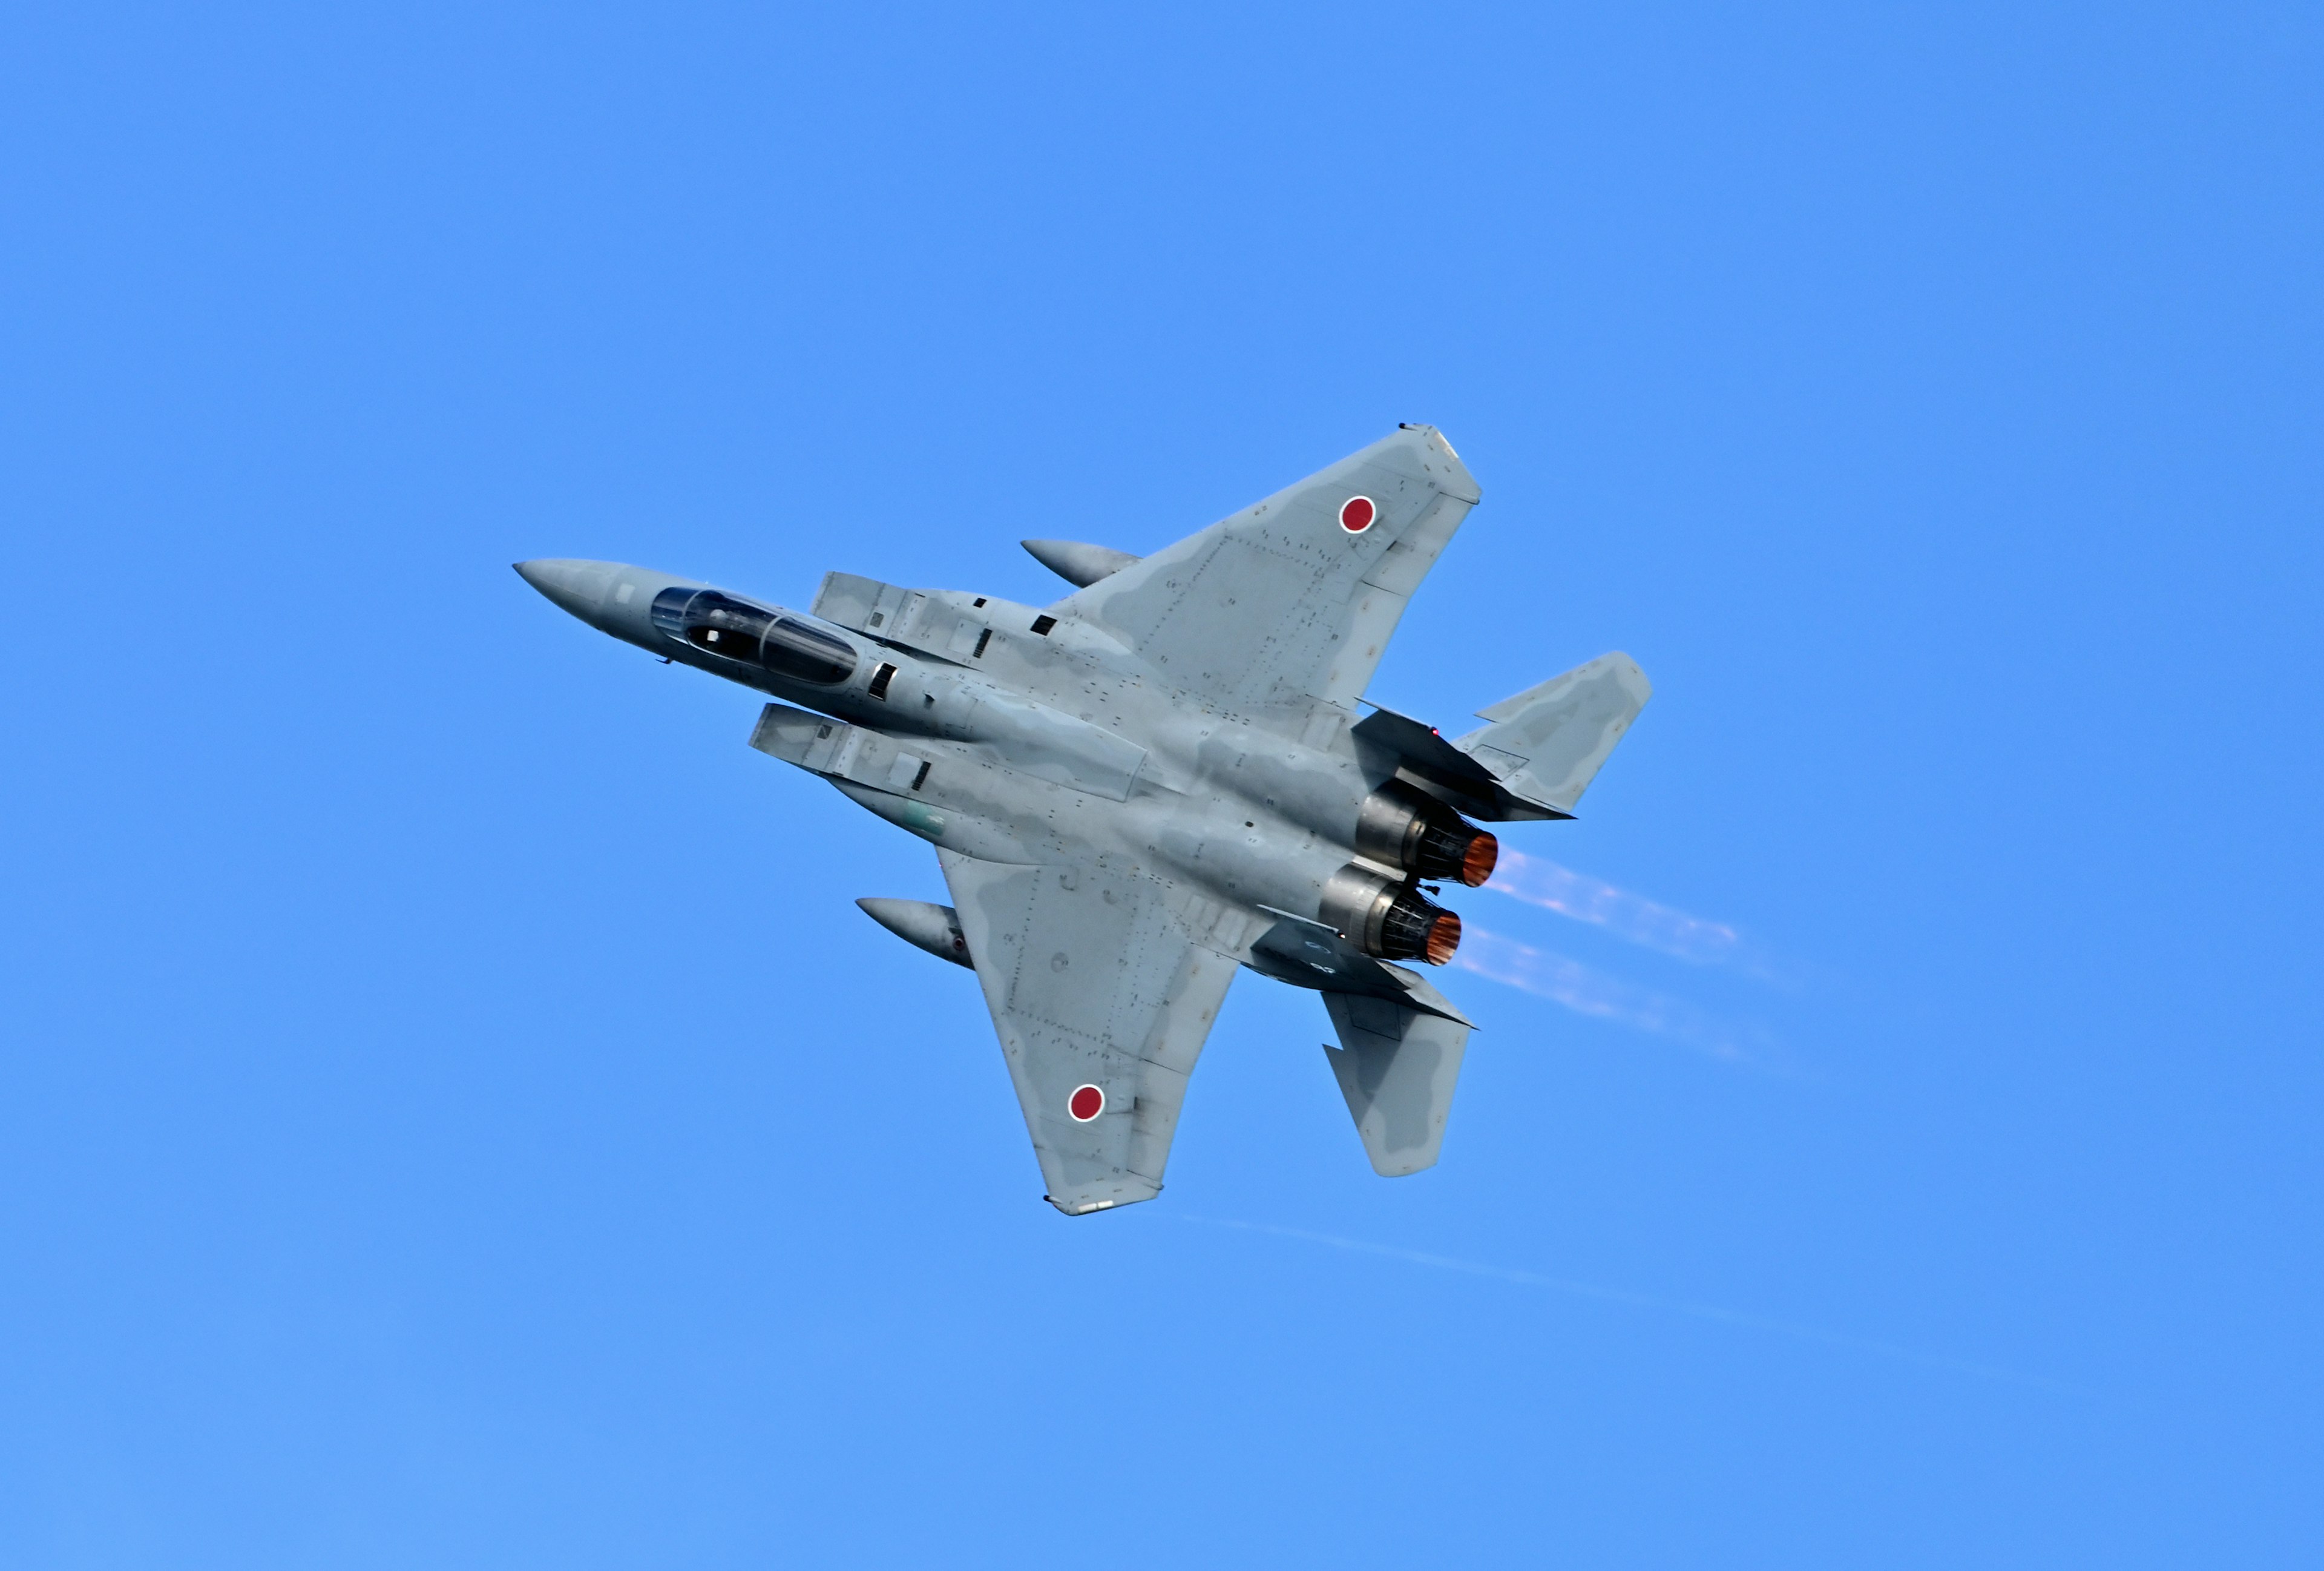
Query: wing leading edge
(1103, 998)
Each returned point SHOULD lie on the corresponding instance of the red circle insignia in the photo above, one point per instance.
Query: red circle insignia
(1085, 1104)
(1356, 514)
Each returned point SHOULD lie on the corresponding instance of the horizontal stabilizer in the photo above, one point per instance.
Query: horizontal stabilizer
(1078, 564)
(1396, 1066)
(1546, 743)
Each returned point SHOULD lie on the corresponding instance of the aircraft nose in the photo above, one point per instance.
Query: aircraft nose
(574, 586)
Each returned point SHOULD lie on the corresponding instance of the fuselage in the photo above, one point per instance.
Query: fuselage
(1037, 740)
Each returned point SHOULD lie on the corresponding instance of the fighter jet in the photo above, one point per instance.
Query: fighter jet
(1167, 776)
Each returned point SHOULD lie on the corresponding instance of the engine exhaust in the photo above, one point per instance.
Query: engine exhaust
(1399, 826)
(1388, 919)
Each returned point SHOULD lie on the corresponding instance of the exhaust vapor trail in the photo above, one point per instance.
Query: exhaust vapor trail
(1538, 881)
(1584, 990)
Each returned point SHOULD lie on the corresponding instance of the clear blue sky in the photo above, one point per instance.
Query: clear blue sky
(452, 1115)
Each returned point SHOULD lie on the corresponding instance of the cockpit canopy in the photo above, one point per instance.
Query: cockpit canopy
(737, 630)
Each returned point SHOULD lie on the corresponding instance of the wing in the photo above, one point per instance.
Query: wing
(1289, 605)
(1103, 997)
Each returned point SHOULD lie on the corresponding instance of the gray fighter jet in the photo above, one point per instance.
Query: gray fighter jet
(1166, 775)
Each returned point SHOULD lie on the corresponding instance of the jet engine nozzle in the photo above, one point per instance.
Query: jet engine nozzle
(1400, 828)
(1387, 919)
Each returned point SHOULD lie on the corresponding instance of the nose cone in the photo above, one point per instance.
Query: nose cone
(574, 586)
